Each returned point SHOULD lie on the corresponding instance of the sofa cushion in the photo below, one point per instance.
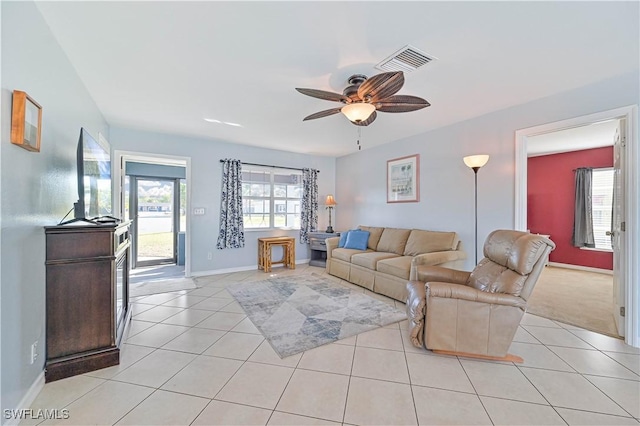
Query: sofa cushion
(345, 254)
(370, 259)
(393, 240)
(398, 266)
(357, 240)
(376, 232)
(429, 241)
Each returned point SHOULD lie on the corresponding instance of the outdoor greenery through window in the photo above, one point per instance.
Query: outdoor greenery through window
(271, 198)
(601, 202)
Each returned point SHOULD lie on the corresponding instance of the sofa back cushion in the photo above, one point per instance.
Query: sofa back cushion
(393, 240)
(430, 241)
(375, 232)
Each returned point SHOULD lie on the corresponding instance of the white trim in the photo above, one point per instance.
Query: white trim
(581, 268)
(170, 160)
(240, 269)
(632, 204)
(28, 398)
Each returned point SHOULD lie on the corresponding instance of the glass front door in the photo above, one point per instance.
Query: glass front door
(155, 204)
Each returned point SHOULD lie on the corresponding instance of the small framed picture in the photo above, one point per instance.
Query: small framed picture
(26, 122)
(403, 179)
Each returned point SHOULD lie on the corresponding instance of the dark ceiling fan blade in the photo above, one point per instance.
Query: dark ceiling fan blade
(368, 121)
(323, 94)
(381, 86)
(321, 114)
(401, 103)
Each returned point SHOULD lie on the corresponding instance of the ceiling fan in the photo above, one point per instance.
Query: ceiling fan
(364, 96)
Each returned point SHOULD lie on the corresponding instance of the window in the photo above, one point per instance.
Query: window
(271, 198)
(601, 203)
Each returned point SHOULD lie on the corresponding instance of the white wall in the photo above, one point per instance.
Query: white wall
(206, 179)
(446, 184)
(37, 188)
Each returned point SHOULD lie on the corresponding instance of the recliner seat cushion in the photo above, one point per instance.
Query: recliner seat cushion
(374, 236)
(393, 240)
(398, 266)
(420, 242)
(370, 259)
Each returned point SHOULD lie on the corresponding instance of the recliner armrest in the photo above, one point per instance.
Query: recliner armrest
(439, 273)
(458, 291)
(331, 244)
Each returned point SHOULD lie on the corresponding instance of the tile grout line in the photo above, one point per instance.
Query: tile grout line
(476, 391)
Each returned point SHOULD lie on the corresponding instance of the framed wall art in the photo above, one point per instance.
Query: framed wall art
(26, 122)
(403, 179)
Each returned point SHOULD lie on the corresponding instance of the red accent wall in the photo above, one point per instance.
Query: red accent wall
(550, 201)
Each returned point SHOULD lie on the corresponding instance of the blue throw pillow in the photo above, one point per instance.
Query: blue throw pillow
(357, 240)
(343, 239)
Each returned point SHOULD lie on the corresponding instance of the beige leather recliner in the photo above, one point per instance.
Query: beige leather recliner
(477, 313)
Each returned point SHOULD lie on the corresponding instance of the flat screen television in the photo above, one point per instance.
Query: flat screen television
(94, 180)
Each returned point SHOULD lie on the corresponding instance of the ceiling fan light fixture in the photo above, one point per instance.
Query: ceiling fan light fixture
(358, 111)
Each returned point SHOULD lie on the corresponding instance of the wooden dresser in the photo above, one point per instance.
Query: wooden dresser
(87, 296)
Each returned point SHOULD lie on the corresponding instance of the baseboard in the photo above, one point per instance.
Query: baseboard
(581, 268)
(240, 269)
(28, 398)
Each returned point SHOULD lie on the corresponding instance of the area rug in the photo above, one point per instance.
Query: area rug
(161, 286)
(300, 312)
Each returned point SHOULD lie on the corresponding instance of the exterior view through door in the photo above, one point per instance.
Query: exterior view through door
(156, 206)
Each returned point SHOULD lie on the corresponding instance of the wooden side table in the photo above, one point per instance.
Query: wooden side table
(265, 245)
(319, 247)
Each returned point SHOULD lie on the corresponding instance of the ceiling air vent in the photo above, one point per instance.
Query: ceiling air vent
(406, 59)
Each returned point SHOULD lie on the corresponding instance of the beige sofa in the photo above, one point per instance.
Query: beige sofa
(393, 257)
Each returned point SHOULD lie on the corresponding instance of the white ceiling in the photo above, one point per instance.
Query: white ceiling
(595, 135)
(165, 66)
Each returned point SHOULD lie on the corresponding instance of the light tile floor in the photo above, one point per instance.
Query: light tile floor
(192, 357)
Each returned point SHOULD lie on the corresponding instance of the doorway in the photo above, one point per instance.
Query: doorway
(577, 285)
(165, 181)
(626, 273)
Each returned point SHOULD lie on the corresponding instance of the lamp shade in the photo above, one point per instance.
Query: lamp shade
(358, 111)
(330, 201)
(478, 161)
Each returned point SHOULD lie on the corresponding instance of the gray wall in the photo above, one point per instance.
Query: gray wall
(446, 184)
(206, 178)
(37, 188)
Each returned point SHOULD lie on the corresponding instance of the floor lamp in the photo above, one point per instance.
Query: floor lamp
(330, 203)
(474, 162)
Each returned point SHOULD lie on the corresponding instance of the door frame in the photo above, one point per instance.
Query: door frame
(175, 207)
(118, 170)
(632, 207)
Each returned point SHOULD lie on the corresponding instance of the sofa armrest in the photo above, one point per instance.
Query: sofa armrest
(463, 292)
(331, 243)
(433, 258)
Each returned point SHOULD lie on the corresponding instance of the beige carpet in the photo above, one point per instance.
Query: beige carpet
(161, 286)
(580, 298)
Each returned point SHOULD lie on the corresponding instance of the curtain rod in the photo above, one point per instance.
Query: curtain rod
(268, 165)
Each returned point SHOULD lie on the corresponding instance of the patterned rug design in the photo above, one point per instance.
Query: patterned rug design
(296, 313)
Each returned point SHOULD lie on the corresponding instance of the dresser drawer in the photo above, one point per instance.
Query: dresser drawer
(318, 244)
